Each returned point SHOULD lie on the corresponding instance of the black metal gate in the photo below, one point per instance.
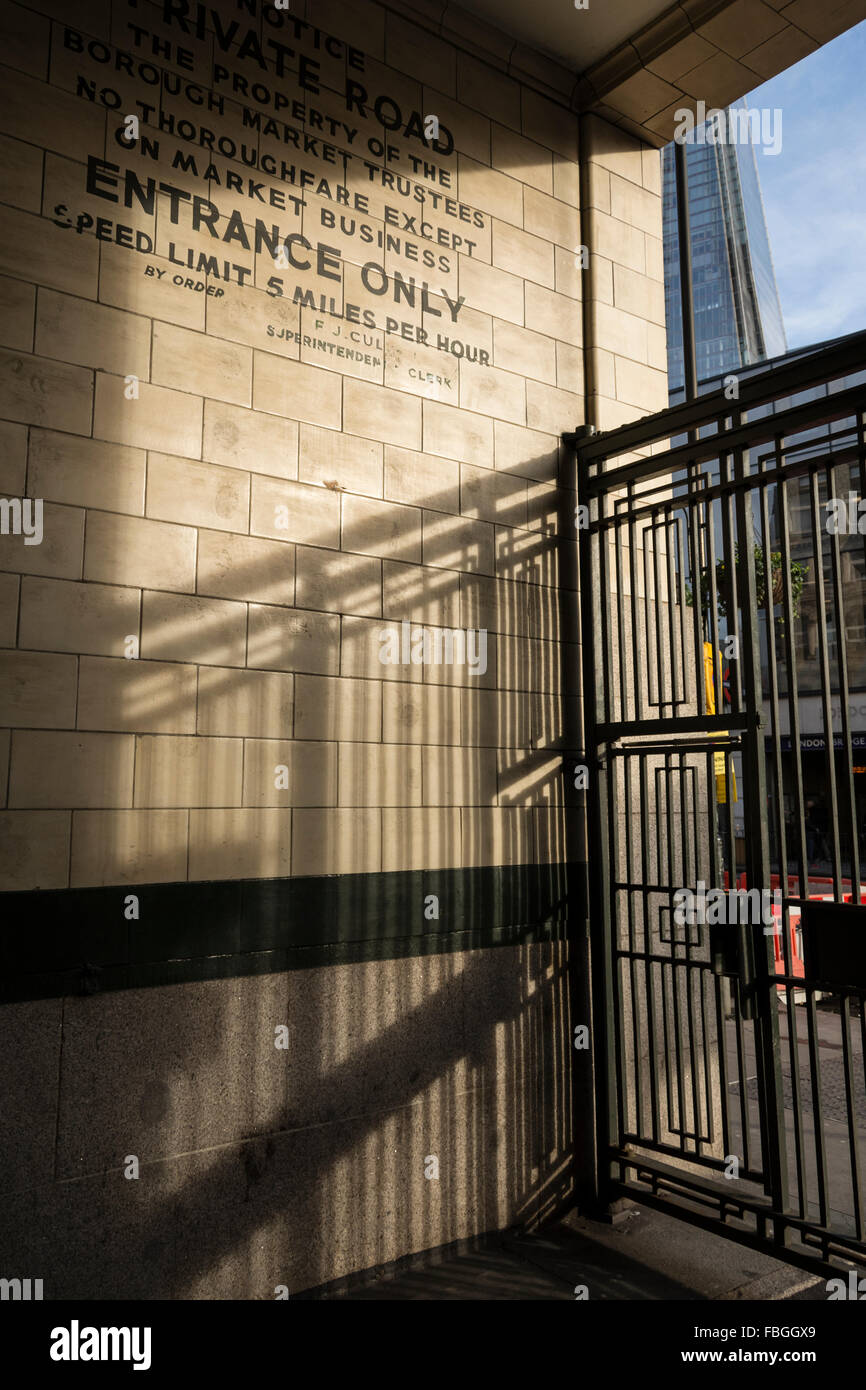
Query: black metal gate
(724, 617)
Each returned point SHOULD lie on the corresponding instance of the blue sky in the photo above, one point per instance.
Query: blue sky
(815, 190)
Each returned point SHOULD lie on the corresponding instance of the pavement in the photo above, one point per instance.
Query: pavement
(645, 1255)
(836, 1146)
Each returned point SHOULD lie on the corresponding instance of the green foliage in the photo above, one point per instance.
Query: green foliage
(799, 573)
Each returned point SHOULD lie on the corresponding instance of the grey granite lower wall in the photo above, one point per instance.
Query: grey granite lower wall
(261, 1166)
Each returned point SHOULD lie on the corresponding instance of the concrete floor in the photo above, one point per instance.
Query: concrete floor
(647, 1255)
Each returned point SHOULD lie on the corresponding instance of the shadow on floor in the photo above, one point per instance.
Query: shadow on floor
(646, 1255)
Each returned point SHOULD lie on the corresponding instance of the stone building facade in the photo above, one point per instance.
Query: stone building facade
(288, 904)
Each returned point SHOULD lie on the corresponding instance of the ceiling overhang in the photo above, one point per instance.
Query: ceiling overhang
(638, 63)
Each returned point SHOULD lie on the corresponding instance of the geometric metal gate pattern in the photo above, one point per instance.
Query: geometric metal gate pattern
(724, 608)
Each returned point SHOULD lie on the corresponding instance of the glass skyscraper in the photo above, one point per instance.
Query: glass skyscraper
(738, 317)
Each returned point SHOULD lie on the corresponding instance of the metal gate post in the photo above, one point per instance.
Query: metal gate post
(760, 983)
(601, 917)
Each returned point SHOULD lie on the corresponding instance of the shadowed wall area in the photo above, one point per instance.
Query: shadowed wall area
(223, 815)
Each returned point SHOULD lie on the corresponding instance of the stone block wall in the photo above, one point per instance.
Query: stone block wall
(286, 377)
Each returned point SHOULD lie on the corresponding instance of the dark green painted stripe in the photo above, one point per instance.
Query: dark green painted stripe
(78, 941)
